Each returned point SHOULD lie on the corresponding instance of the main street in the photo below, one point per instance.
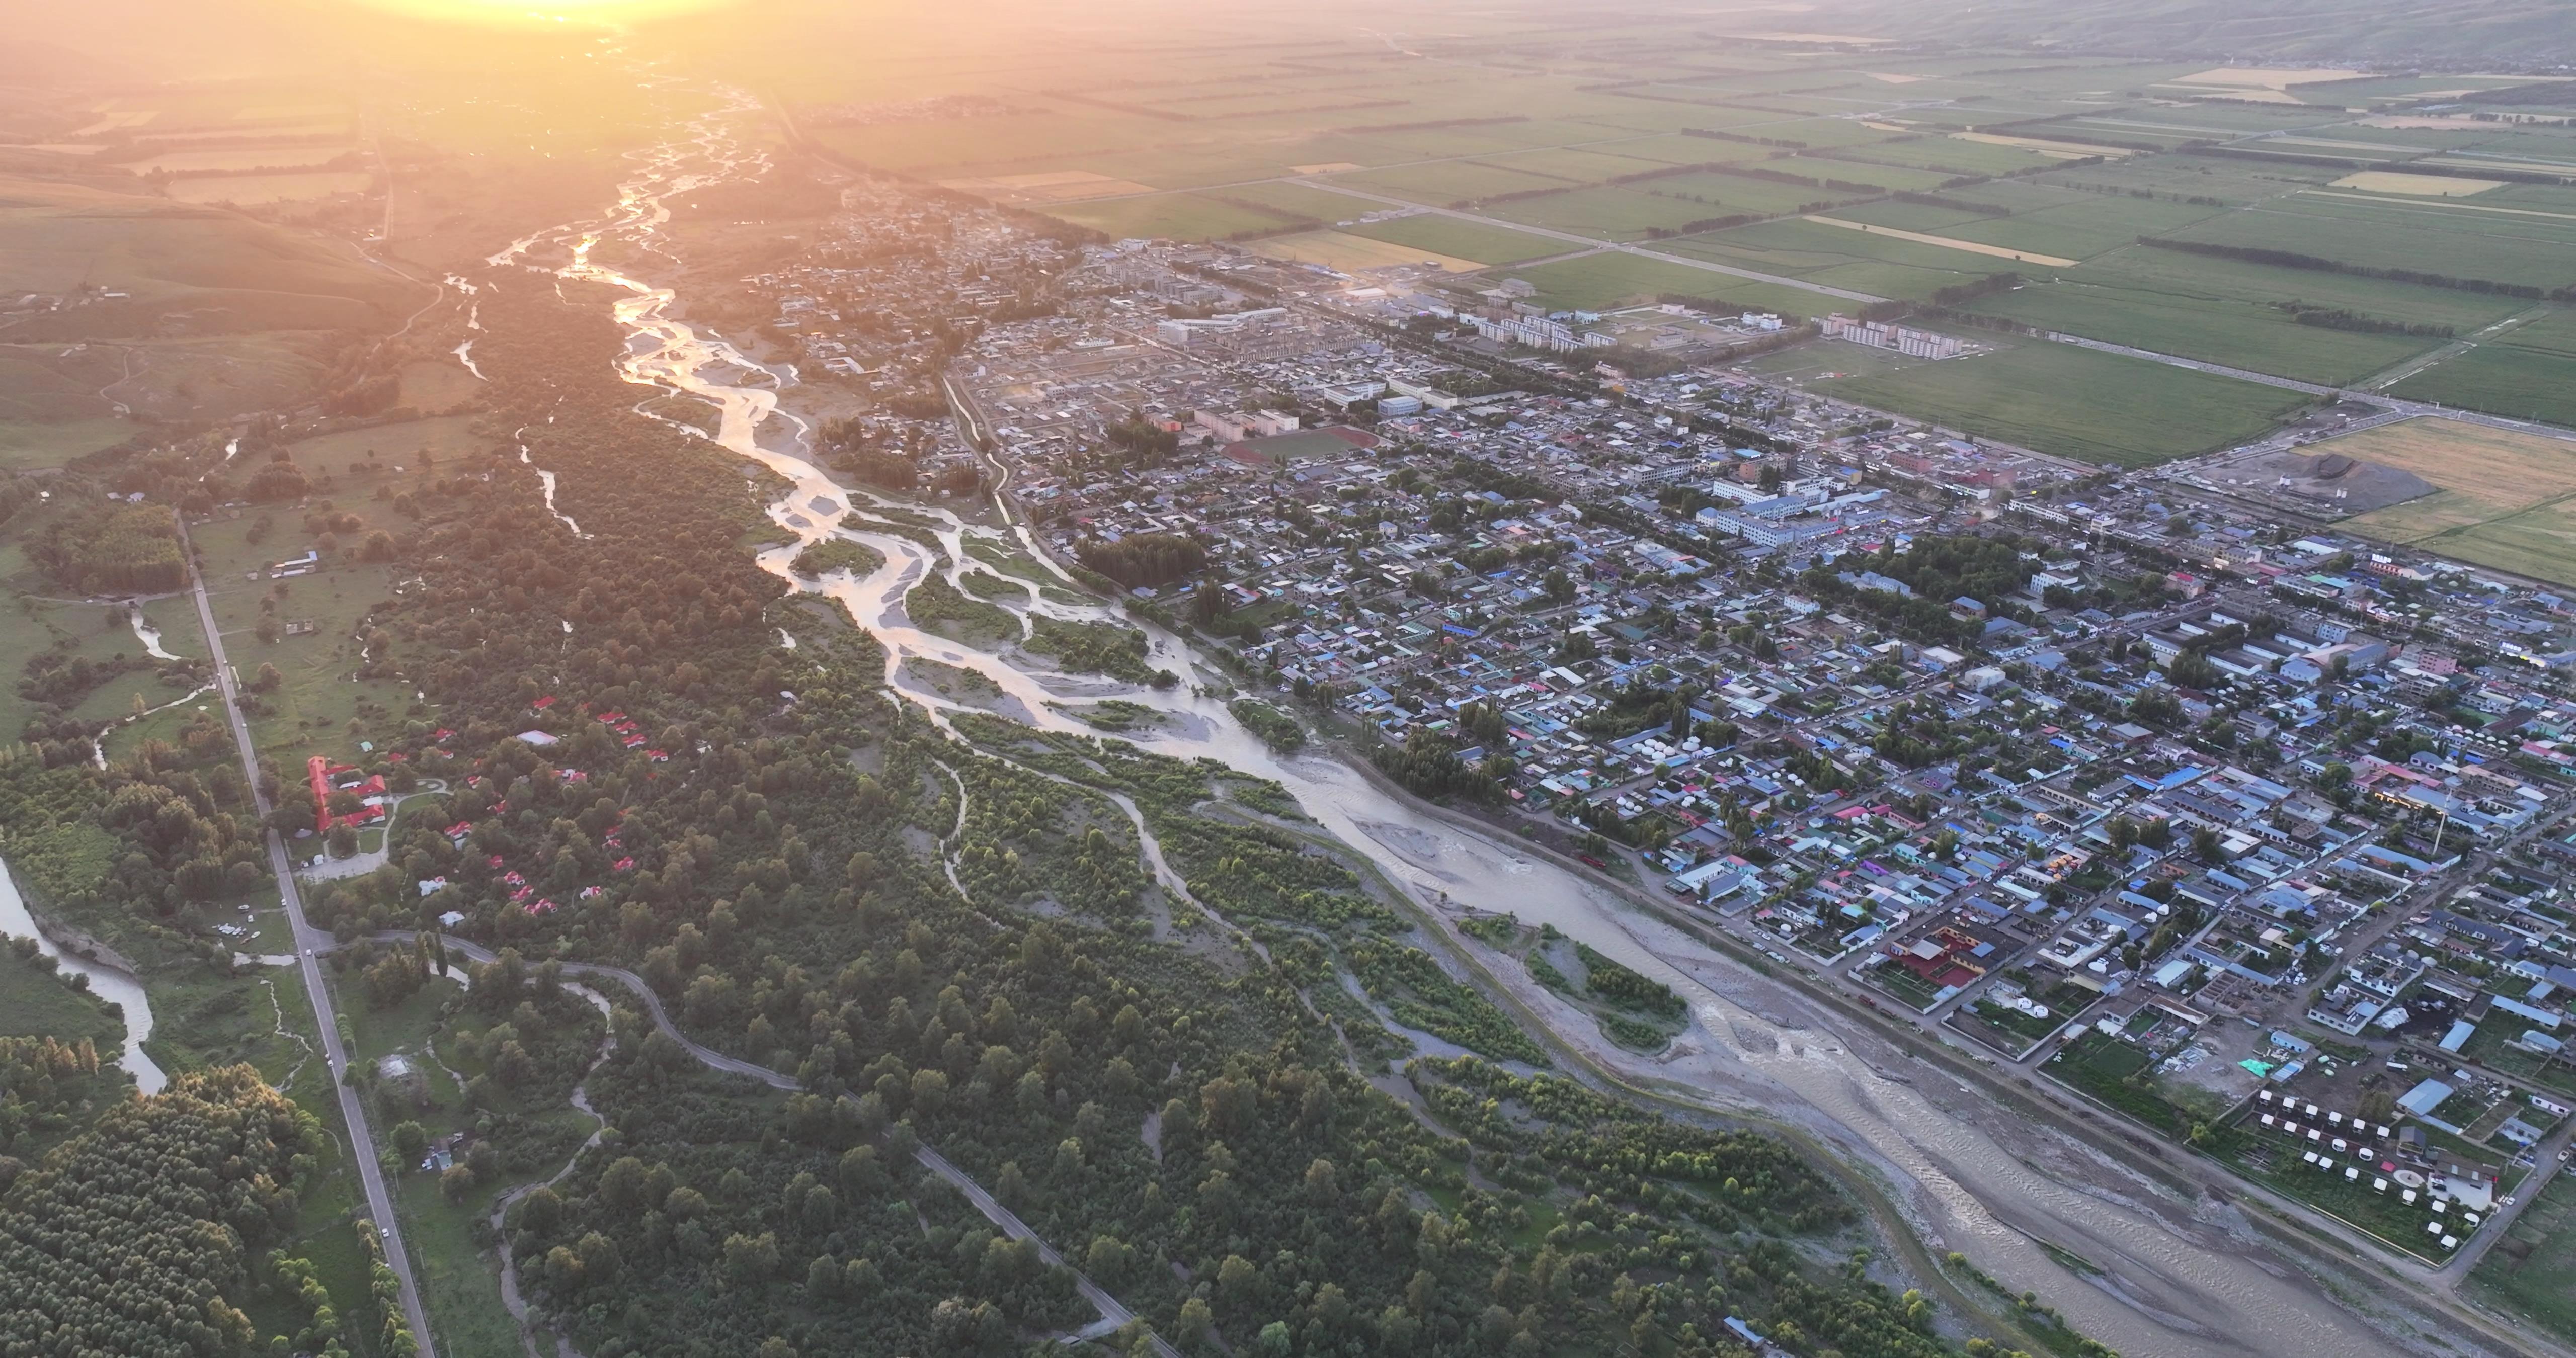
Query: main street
(310, 943)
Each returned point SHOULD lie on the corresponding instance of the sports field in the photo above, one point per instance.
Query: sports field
(2505, 499)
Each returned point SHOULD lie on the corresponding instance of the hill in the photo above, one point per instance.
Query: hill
(183, 269)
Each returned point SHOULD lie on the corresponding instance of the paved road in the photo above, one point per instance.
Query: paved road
(1114, 1314)
(309, 944)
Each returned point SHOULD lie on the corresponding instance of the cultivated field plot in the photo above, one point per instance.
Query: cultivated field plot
(1456, 238)
(2504, 500)
(2074, 402)
(2255, 336)
(1944, 156)
(1594, 282)
(1177, 216)
(2528, 372)
(1875, 264)
(1619, 214)
(1447, 182)
(2526, 251)
(1052, 186)
(1351, 253)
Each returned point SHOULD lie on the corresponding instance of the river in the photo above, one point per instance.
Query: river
(2179, 1278)
(108, 983)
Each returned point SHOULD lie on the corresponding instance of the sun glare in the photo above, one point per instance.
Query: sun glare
(524, 14)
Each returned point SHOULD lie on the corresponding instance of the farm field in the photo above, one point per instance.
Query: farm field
(2528, 372)
(2500, 379)
(2074, 402)
(2503, 500)
(1880, 265)
(1944, 242)
(1448, 182)
(2531, 252)
(1177, 216)
(1593, 282)
(1350, 252)
(1618, 214)
(2239, 334)
(250, 190)
(1451, 236)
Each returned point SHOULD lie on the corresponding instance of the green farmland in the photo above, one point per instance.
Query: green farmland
(2074, 402)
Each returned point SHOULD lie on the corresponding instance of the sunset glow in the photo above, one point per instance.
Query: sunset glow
(521, 14)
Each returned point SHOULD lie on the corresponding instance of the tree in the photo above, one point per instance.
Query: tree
(751, 1259)
(456, 1182)
(410, 1139)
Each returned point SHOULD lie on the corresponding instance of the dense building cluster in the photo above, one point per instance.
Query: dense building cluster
(2102, 772)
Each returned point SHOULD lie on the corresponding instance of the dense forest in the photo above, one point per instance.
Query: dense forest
(129, 1238)
(112, 548)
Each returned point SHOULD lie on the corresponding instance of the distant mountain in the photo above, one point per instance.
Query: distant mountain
(2512, 35)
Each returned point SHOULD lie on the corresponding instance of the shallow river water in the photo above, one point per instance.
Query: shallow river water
(1976, 1180)
(106, 982)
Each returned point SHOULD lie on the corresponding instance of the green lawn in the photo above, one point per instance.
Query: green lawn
(2074, 402)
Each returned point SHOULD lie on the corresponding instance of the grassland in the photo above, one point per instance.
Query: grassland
(434, 386)
(322, 707)
(34, 1002)
(2526, 1272)
(29, 444)
(2074, 402)
(2505, 498)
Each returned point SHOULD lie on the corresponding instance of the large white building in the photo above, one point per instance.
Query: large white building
(1881, 335)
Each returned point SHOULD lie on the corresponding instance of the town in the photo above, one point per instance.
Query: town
(2251, 830)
